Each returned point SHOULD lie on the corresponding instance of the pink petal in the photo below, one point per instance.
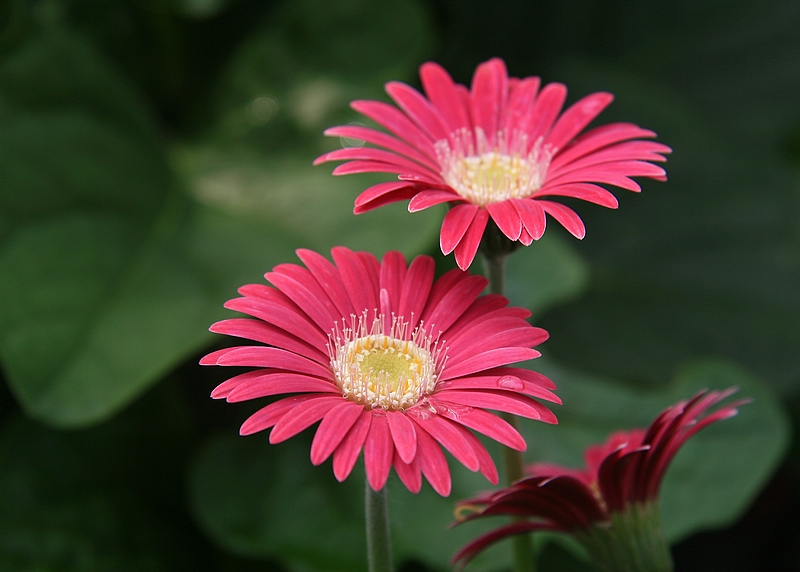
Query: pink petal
(258, 356)
(282, 316)
(381, 189)
(499, 400)
(364, 166)
(265, 333)
(507, 218)
(468, 247)
(224, 388)
(544, 111)
(501, 382)
(455, 225)
(418, 109)
(403, 435)
(333, 428)
(302, 416)
(577, 117)
(428, 198)
(395, 121)
(346, 454)
(525, 337)
(451, 437)
(382, 139)
(404, 164)
(598, 138)
(279, 383)
(520, 102)
(489, 85)
(268, 416)
(433, 464)
(487, 360)
(492, 426)
(308, 301)
(532, 216)
(392, 276)
(454, 303)
(409, 474)
(356, 279)
(417, 286)
(378, 452)
(583, 191)
(566, 216)
(485, 462)
(402, 194)
(328, 278)
(441, 90)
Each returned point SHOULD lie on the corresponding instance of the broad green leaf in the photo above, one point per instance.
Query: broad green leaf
(716, 475)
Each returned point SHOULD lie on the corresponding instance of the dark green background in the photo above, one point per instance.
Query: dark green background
(155, 155)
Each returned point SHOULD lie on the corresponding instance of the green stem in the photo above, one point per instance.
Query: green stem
(494, 262)
(379, 544)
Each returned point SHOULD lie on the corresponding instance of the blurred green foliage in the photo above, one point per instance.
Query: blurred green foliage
(156, 155)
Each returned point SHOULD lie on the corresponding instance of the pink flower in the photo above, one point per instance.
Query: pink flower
(387, 360)
(499, 150)
(622, 477)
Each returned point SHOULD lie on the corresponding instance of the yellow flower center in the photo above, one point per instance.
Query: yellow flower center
(484, 173)
(390, 371)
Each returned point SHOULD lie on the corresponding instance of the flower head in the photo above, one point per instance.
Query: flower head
(501, 150)
(614, 494)
(387, 360)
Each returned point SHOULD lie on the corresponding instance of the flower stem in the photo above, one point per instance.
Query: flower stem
(494, 262)
(379, 544)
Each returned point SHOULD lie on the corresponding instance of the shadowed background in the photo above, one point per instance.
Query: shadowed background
(155, 155)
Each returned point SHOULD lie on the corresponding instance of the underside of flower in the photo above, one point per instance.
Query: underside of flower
(391, 371)
(484, 170)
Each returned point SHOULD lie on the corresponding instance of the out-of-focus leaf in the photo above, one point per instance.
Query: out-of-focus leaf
(716, 475)
(545, 274)
(108, 277)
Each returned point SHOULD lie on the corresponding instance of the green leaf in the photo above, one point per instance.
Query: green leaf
(716, 475)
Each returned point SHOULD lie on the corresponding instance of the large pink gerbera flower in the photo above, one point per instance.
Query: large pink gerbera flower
(498, 150)
(611, 506)
(388, 360)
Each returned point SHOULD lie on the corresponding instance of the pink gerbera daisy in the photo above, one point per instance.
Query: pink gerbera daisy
(611, 506)
(499, 150)
(387, 360)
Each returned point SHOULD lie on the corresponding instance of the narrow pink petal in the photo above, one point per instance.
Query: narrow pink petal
(378, 452)
(223, 389)
(528, 375)
(376, 191)
(260, 331)
(268, 416)
(442, 286)
(455, 225)
(306, 278)
(507, 218)
(284, 317)
(433, 463)
(380, 156)
(258, 356)
(333, 428)
(525, 337)
(585, 191)
(544, 111)
(310, 302)
(403, 435)
(382, 139)
(302, 416)
(356, 279)
(485, 463)
(577, 117)
(519, 103)
(364, 166)
(441, 90)
(568, 218)
(617, 174)
(392, 276)
(418, 109)
(532, 216)
(402, 194)
(499, 400)
(600, 137)
(346, 454)
(487, 360)
(482, 308)
(428, 198)
(373, 268)
(492, 426)
(525, 237)
(395, 121)
(451, 437)
(489, 86)
(466, 250)
(328, 278)
(488, 324)
(279, 383)
(454, 303)
(625, 151)
(409, 473)
(417, 286)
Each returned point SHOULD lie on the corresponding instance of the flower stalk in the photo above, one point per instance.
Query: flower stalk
(379, 544)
